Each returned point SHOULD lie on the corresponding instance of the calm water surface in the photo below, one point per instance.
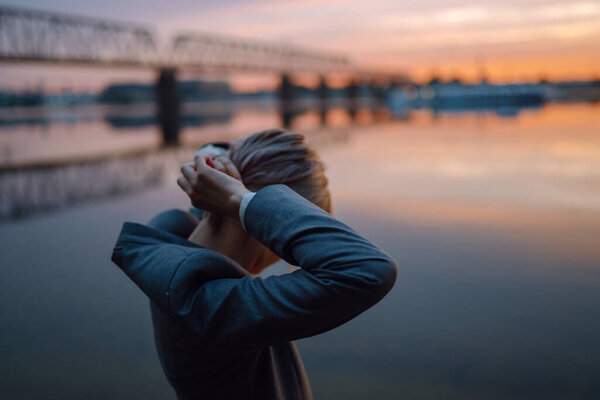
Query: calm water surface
(494, 222)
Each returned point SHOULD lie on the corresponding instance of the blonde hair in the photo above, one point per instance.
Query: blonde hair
(276, 156)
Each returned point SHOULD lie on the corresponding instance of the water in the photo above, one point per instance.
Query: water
(494, 223)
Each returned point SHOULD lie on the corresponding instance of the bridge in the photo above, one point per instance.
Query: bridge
(30, 36)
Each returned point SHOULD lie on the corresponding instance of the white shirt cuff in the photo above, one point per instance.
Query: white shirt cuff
(210, 149)
(245, 201)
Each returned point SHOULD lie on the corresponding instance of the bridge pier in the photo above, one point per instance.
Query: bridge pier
(322, 92)
(168, 106)
(286, 99)
(352, 97)
(378, 94)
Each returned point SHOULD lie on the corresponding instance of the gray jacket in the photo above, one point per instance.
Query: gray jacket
(223, 334)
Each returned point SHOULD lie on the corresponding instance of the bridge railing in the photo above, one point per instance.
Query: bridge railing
(199, 50)
(36, 36)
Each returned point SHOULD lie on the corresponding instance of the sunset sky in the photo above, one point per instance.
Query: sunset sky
(510, 40)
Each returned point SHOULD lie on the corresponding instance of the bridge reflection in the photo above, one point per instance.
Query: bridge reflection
(35, 189)
(28, 186)
(193, 114)
(28, 191)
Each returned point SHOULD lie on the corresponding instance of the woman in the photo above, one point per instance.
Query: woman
(222, 333)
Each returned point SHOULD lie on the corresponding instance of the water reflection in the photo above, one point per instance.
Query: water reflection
(76, 159)
(47, 136)
(30, 191)
(480, 157)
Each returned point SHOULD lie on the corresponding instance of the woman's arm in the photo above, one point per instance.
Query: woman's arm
(341, 275)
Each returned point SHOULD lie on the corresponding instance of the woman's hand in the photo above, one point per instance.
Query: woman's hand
(211, 185)
(220, 158)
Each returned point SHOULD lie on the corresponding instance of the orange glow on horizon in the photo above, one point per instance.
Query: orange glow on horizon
(552, 67)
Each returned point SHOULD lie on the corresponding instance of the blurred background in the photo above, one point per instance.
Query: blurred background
(462, 137)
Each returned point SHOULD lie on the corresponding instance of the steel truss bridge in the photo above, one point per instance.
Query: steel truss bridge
(29, 36)
(36, 36)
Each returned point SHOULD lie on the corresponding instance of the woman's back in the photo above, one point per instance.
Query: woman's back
(223, 333)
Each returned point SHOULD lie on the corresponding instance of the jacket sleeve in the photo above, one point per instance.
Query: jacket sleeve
(341, 275)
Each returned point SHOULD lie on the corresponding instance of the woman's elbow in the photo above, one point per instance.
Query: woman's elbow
(386, 272)
(376, 278)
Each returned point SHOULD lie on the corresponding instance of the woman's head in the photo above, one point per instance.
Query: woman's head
(275, 156)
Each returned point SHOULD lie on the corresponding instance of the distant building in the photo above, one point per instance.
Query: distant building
(457, 96)
(200, 90)
(131, 93)
(573, 91)
(127, 93)
(25, 98)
